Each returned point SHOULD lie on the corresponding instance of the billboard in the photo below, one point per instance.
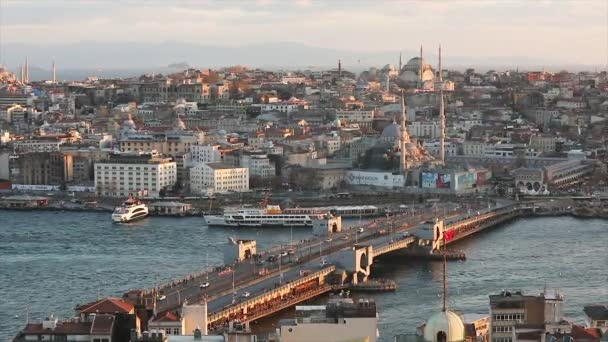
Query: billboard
(444, 181)
(428, 180)
(481, 178)
(466, 181)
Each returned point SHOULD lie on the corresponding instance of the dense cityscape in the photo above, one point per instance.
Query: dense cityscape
(411, 201)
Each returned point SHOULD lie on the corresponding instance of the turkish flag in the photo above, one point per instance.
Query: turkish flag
(448, 235)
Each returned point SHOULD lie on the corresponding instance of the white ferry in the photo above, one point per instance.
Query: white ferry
(129, 211)
(272, 215)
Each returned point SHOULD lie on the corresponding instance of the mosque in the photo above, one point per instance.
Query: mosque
(395, 148)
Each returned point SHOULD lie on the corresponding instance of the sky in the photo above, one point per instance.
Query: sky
(559, 31)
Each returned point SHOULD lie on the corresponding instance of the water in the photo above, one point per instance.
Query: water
(51, 261)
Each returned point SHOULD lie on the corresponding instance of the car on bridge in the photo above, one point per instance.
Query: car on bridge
(328, 240)
(204, 285)
(360, 230)
(245, 294)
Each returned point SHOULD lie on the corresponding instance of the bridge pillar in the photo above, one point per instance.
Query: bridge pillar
(438, 238)
(239, 250)
(360, 259)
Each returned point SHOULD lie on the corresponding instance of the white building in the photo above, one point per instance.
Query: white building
(361, 117)
(129, 174)
(427, 129)
(339, 320)
(37, 145)
(433, 148)
(571, 104)
(258, 165)
(205, 153)
(217, 177)
(474, 148)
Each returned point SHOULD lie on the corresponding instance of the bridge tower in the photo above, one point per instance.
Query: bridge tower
(360, 259)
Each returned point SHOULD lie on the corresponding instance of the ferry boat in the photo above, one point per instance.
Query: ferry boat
(130, 210)
(271, 215)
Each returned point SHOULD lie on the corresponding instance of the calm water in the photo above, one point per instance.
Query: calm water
(51, 261)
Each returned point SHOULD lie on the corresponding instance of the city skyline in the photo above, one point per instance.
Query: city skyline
(528, 33)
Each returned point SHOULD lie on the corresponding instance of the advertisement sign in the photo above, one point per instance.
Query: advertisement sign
(481, 179)
(444, 181)
(466, 181)
(428, 180)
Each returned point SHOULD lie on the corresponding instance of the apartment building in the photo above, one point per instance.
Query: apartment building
(364, 118)
(218, 177)
(518, 317)
(205, 153)
(42, 168)
(134, 174)
(340, 320)
(258, 164)
(168, 143)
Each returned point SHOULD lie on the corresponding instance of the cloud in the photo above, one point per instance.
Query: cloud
(464, 27)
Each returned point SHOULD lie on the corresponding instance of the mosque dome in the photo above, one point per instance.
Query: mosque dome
(411, 71)
(388, 68)
(446, 323)
(415, 63)
(391, 131)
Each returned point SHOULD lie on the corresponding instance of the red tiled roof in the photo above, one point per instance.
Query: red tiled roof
(102, 325)
(581, 333)
(108, 305)
(166, 316)
(67, 328)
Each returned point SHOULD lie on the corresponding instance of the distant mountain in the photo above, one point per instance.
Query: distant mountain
(128, 59)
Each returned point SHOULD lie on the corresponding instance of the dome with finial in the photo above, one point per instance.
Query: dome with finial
(392, 131)
(444, 326)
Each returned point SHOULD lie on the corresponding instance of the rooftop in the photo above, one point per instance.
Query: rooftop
(108, 305)
(596, 312)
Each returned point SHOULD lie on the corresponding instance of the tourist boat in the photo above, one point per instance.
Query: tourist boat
(271, 215)
(129, 211)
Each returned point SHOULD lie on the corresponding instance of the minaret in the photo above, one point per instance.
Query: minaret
(400, 62)
(54, 73)
(421, 67)
(404, 135)
(441, 113)
(27, 72)
(387, 83)
(339, 68)
(22, 73)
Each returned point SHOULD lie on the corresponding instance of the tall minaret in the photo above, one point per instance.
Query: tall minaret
(405, 138)
(421, 67)
(27, 71)
(54, 73)
(339, 67)
(22, 73)
(441, 113)
(400, 63)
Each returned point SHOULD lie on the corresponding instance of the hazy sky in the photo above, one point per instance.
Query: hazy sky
(573, 32)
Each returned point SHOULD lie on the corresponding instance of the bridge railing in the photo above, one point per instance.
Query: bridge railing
(234, 308)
